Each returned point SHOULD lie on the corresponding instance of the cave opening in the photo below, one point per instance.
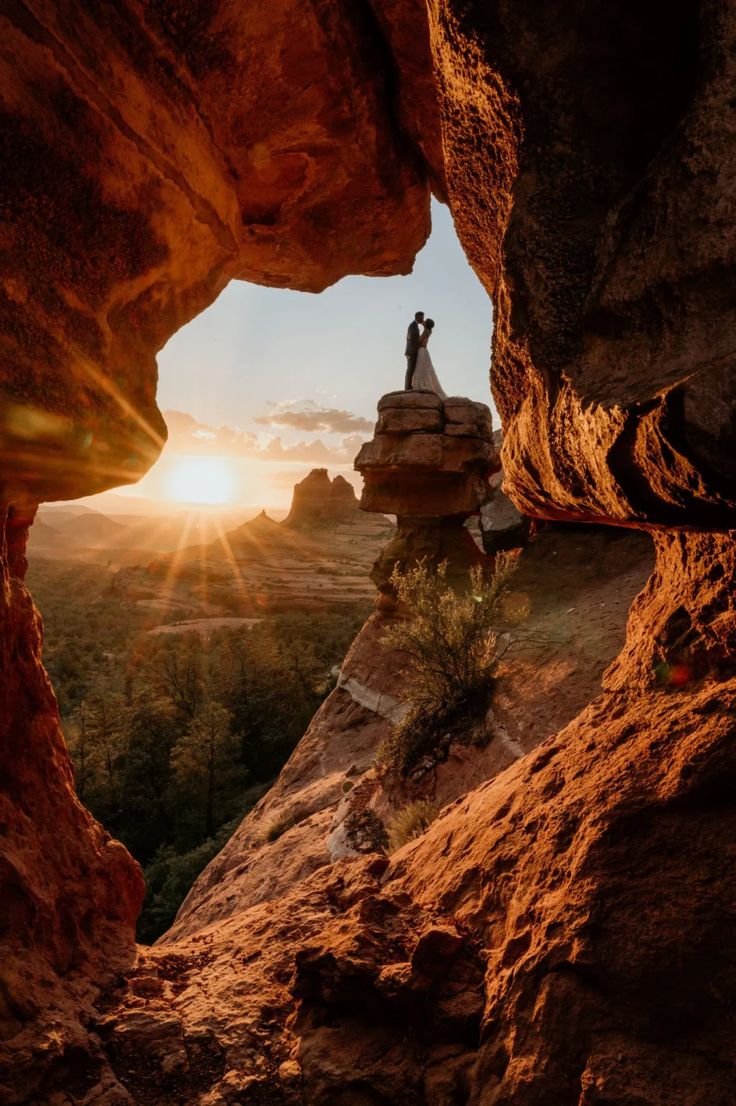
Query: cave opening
(163, 637)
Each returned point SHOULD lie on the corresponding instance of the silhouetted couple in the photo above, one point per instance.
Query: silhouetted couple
(420, 374)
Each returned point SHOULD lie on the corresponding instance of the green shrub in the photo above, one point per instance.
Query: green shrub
(453, 646)
(410, 822)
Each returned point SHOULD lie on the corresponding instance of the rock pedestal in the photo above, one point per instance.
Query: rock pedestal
(428, 463)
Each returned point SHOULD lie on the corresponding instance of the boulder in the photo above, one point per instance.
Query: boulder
(502, 525)
(397, 451)
(462, 429)
(405, 420)
(413, 400)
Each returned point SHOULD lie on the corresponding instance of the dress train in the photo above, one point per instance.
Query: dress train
(425, 379)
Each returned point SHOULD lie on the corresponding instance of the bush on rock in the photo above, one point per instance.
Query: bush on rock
(453, 643)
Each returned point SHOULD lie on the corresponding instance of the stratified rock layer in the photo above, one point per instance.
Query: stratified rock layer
(428, 463)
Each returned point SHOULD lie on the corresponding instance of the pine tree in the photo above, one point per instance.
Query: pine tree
(205, 763)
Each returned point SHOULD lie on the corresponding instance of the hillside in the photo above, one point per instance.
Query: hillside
(85, 534)
(263, 566)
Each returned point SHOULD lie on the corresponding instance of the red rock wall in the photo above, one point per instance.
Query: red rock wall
(590, 178)
(70, 894)
(149, 155)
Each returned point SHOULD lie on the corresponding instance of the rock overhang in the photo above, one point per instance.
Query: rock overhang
(149, 157)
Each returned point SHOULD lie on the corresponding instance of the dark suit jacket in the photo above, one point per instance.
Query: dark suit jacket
(412, 339)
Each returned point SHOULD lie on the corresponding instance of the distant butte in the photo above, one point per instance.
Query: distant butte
(319, 501)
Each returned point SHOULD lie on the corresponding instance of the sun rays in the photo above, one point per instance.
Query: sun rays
(202, 543)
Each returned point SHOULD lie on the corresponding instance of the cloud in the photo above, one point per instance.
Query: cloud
(307, 415)
(187, 435)
(314, 452)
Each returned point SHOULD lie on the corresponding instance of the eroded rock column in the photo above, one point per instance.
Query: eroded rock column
(428, 463)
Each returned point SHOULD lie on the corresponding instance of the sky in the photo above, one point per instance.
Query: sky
(271, 383)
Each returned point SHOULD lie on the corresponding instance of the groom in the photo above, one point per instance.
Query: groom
(412, 348)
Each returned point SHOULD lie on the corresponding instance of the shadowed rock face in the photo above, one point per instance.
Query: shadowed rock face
(592, 186)
(148, 155)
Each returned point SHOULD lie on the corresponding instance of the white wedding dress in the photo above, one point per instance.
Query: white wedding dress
(425, 378)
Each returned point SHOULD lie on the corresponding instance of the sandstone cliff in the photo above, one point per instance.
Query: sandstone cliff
(70, 895)
(563, 933)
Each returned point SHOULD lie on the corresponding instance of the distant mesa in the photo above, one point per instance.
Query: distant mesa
(319, 501)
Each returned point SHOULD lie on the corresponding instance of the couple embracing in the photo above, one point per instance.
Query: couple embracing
(420, 374)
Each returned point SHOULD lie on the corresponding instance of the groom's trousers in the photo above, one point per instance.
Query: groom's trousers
(411, 364)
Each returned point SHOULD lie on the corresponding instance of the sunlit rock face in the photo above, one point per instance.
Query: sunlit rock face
(428, 463)
(69, 895)
(149, 155)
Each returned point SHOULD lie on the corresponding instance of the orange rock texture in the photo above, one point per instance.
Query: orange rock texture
(70, 895)
(151, 154)
(563, 933)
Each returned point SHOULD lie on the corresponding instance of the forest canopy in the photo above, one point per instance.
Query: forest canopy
(175, 736)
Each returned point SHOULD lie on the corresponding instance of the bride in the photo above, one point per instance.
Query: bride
(425, 378)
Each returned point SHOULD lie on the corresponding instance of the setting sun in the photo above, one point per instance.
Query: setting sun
(202, 480)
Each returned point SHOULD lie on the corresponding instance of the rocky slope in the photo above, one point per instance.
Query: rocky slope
(571, 594)
(301, 968)
(563, 933)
